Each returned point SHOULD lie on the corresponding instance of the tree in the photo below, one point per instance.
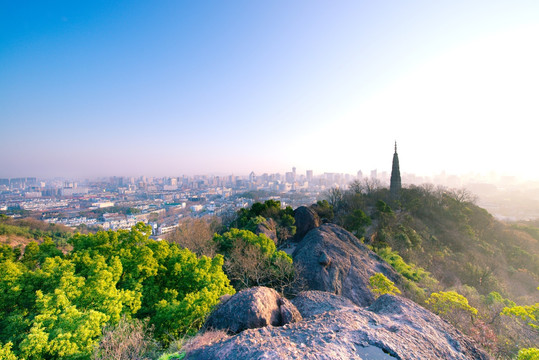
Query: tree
(451, 305)
(380, 285)
(334, 197)
(253, 260)
(54, 306)
(196, 235)
(324, 210)
(129, 339)
(528, 314)
(248, 219)
(356, 221)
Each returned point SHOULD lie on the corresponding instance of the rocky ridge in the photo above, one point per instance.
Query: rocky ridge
(339, 318)
(334, 260)
(334, 328)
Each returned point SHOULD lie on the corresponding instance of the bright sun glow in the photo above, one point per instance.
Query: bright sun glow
(463, 99)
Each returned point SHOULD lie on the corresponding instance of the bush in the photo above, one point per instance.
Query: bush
(129, 339)
(381, 285)
(411, 272)
(528, 354)
(247, 219)
(253, 260)
(453, 307)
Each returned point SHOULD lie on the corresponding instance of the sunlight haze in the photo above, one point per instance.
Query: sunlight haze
(171, 88)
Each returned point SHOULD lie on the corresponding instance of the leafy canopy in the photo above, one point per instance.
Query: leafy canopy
(55, 306)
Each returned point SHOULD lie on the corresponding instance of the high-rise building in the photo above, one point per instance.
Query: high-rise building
(309, 176)
(395, 184)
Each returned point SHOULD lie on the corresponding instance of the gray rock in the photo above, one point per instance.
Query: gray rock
(306, 220)
(396, 328)
(252, 308)
(289, 312)
(268, 228)
(324, 259)
(312, 302)
(334, 260)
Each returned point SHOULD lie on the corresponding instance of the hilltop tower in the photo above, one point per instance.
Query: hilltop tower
(395, 185)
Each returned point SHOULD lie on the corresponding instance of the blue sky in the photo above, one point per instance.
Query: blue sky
(102, 88)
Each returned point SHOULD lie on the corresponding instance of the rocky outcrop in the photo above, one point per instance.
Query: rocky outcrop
(392, 328)
(306, 220)
(334, 260)
(252, 308)
(268, 228)
(312, 302)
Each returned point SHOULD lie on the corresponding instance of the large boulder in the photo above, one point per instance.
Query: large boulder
(392, 328)
(252, 308)
(306, 220)
(332, 259)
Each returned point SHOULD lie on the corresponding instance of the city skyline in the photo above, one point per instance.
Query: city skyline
(100, 89)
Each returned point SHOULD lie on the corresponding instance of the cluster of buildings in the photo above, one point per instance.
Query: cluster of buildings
(121, 202)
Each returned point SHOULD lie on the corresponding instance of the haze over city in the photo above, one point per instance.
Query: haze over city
(168, 88)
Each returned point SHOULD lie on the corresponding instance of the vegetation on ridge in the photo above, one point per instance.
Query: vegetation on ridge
(450, 248)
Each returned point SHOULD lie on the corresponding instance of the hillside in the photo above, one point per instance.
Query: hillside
(20, 232)
(433, 246)
(445, 233)
(441, 241)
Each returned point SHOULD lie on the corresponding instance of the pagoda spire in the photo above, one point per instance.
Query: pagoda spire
(395, 184)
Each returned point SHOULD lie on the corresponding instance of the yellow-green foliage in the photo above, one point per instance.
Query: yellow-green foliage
(55, 306)
(6, 353)
(444, 302)
(528, 354)
(528, 313)
(227, 241)
(409, 271)
(381, 285)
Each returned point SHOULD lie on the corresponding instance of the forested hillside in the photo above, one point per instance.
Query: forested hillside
(80, 296)
(440, 234)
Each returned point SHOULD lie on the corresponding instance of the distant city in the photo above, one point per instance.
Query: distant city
(120, 202)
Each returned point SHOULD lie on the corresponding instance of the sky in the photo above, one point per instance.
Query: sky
(167, 88)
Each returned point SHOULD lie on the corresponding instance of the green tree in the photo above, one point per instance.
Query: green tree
(381, 285)
(6, 353)
(248, 219)
(528, 313)
(55, 306)
(356, 221)
(528, 354)
(452, 306)
(253, 260)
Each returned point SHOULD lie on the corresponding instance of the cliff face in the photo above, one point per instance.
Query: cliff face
(334, 328)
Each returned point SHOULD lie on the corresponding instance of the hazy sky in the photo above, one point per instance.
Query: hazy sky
(93, 88)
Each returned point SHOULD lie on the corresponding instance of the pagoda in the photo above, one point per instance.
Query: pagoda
(395, 184)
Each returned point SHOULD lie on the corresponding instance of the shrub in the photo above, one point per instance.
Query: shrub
(381, 285)
(6, 353)
(528, 354)
(253, 260)
(129, 339)
(453, 307)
